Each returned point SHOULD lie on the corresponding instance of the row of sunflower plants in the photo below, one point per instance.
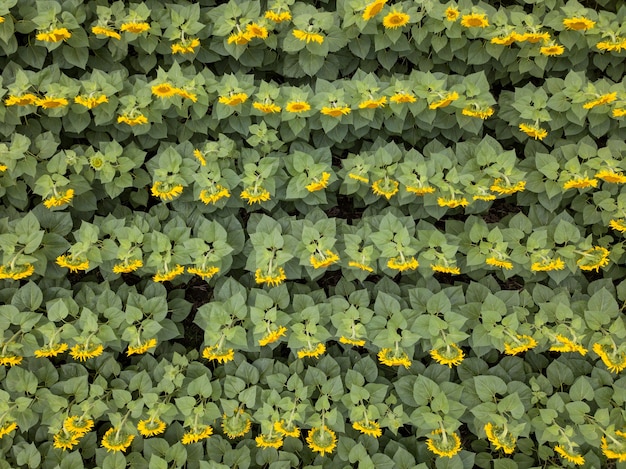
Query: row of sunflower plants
(167, 246)
(470, 175)
(311, 39)
(506, 396)
(366, 100)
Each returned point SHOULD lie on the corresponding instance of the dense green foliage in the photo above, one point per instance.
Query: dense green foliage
(298, 234)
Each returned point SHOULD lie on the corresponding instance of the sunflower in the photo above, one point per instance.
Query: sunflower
(286, 429)
(116, 440)
(307, 37)
(51, 350)
(271, 280)
(321, 260)
(236, 425)
(266, 108)
(233, 99)
(269, 441)
(564, 345)
(594, 258)
(535, 132)
(373, 103)
(166, 191)
(318, 183)
(272, 336)
(452, 13)
(127, 266)
(278, 17)
(402, 97)
(443, 444)
(212, 195)
(336, 111)
(205, 273)
(385, 187)
(569, 455)
(85, 351)
(164, 90)
(188, 46)
(552, 50)
(452, 202)
(352, 340)
(401, 264)
(580, 183)
(297, 107)
(578, 23)
(475, 20)
(54, 35)
(7, 427)
(65, 440)
(104, 31)
(137, 119)
(444, 101)
(78, 424)
(395, 19)
(372, 9)
(506, 188)
(10, 360)
(74, 265)
(256, 194)
(445, 269)
(608, 175)
(21, 100)
(255, 30)
(91, 101)
(168, 274)
(321, 440)
(390, 358)
(500, 437)
(151, 427)
(48, 102)
(59, 199)
(135, 27)
(197, 434)
(16, 272)
(450, 355)
(216, 353)
(368, 427)
(309, 351)
(498, 262)
(613, 359)
(141, 347)
(519, 344)
(548, 265)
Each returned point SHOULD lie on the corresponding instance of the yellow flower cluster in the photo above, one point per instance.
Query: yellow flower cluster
(116, 439)
(54, 35)
(321, 440)
(519, 344)
(198, 433)
(311, 351)
(151, 427)
(271, 280)
(443, 444)
(321, 260)
(450, 355)
(564, 344)
(615, 360)
(16, 272)
(167, 90)
(500, 438)
(216, 353)
(394, 358)
(74, 428)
